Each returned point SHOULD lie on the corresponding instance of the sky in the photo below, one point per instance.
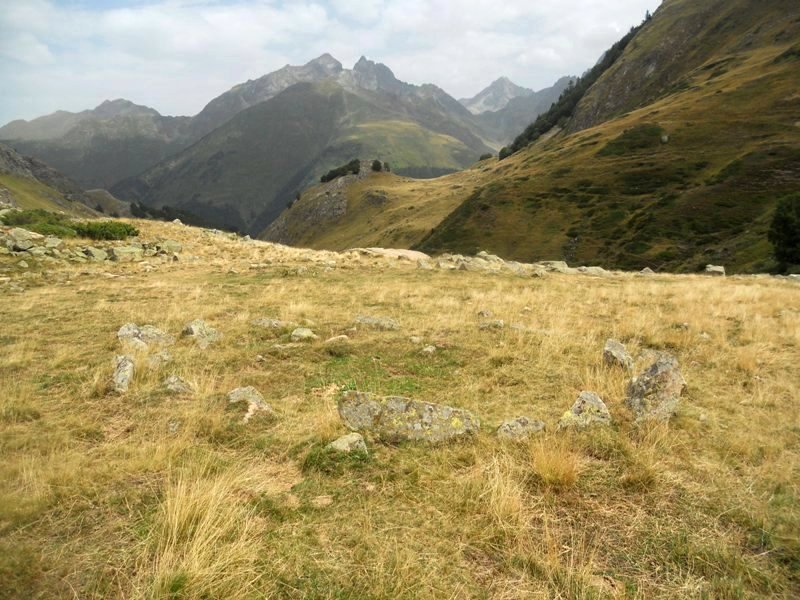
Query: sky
(176, 55)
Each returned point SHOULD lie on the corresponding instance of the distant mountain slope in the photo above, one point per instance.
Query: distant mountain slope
(99, 147)
(495, 97)
(668, 170)
(505, 123)
(28, 183)
(244, 173)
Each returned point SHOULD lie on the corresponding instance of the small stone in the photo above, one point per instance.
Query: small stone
(339, 339)
(588, 410)
(496, 324)
(519, 428)
(268, 323)
(647, 271)
(380, 323)
(203, 334)
(142, 338)
(178, 385)
(615, 355)
(96, 254)
(23, 264)
(127, 253)
(123, 374)
(352, 442)
(254, 400)
(429, 350)
(322, 501)
(485, 313)
(715, 271)
(415, 339)
(173, 425)
(303, 334)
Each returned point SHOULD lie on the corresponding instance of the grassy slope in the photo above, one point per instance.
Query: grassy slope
(99, 499)
(31, 194)
(706, 196)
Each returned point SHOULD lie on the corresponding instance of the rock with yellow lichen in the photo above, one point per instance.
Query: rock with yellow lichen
(587, 411)
(397, 419)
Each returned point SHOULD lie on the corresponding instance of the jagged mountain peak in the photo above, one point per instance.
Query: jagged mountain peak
(495, 96)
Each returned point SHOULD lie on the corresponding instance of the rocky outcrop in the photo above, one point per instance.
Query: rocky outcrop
(396, 419)
(143, 338)
(380, 323)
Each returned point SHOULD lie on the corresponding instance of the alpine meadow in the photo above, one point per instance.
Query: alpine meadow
(343, 335)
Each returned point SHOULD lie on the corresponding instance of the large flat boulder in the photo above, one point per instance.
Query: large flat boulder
(397, 419)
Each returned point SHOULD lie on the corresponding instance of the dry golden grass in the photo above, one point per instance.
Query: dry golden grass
(151, 496)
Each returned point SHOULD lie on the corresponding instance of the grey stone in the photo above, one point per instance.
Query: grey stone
(715, 271)
(488, 325)
(615, 355)
(520, 428)
(128, 253)
(159, 359)
(303, 334)
(396, 419)
(429, 350)
(587, 411)
(352, 442)
(169, 247)
(178, 385)
(203, 334)
(381, 323)
(647, 271)
(485, 313)
(37, 251)
(554, 266)
(268, 323)
(254, 400)
(123, 374)
(23, 264)
(655, 393)
(96, 253)
(339, 339)
(142, 338)
(53, 243)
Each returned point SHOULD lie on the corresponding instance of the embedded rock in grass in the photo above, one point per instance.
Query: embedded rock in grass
(127, 253)
(141, 338)
(655, 393)
(396, 419)
(615, 355)
(20, 239)
(158, 360)
(303, 334)
(96, 254)
(178, 385)
(588, 410)
(647, 271)
(268, 323)
(169, 247)
(520, 428)
(352, 442)
(123, 374)
(485, 313)
(255, 402)
(555, 266)
(715, 271)
(497, 324)
(203, 335)
(53, 243)
(381, 323)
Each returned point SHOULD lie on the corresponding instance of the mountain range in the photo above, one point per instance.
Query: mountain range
(671, 153)
(221, 164)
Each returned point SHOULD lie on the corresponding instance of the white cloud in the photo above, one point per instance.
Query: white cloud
(175, 55)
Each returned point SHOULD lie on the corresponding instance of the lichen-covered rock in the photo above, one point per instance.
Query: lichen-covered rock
(396, 419)
(203, 334)
(142, 338)
(352, 442)
(519, 428)
(381, 323)
(123, 374)
(587, 411)
(178, 385)
(96, 254)
(268, 323)
(656, 392)
(488, 325)
(615, 355)
(303, 334)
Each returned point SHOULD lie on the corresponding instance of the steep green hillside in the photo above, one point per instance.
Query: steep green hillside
(688, 178)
